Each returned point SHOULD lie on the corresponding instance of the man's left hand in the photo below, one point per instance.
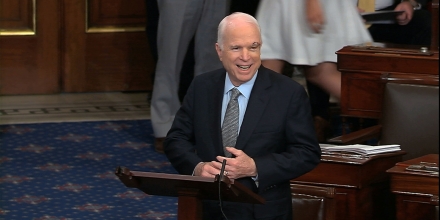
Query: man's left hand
(240, 166)
(406, 16)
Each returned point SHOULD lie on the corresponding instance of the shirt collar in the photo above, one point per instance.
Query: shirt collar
(245, 88)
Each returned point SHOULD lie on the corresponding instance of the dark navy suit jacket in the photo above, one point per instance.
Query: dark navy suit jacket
(277, 132)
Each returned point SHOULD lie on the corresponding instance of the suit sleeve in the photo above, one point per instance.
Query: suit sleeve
(300, 151)
(179, 144)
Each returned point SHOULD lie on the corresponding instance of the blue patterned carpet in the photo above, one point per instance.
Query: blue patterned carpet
(66, 171)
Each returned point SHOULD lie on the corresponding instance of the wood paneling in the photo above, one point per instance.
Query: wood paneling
(29, 64)
(114, 14)
(17, 17)
(53, 46)
(114, 59)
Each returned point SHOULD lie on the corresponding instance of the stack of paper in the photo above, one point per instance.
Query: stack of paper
(360, 149)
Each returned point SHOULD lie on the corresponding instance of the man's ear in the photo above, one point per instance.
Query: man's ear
(219, 51)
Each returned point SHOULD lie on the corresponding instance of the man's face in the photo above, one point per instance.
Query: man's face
(240, 54)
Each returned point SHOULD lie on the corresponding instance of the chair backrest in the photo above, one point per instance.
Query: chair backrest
(411, 118)
(313, 202)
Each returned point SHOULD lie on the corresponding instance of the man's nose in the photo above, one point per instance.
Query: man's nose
(245, 54)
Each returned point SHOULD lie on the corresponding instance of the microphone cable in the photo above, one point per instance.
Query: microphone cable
(222, 171)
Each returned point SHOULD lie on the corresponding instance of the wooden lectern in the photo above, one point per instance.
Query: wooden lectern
(190, 190)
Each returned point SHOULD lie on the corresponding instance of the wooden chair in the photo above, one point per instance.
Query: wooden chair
(313, 202)
(410, 117)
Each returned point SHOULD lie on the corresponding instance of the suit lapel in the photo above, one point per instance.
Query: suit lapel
(215, 110)
(257, 103)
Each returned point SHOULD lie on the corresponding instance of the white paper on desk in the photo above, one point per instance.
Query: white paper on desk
(360, 148)
(380, 17)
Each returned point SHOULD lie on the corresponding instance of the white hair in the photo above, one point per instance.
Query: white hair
(228, 20)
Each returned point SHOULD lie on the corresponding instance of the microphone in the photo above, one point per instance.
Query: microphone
(222, 170)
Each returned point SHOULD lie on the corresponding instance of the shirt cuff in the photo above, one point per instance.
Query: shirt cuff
(196, 167)
(255, 178)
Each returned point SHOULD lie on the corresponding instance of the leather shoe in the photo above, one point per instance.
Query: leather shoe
(158, 145)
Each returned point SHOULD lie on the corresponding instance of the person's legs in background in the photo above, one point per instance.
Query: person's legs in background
(151, 26)
(322, 80)
(172, 45)
(151, 30)
(179, 23)
(320, 103)
(326, 76)
(275, 65)
(187, 72)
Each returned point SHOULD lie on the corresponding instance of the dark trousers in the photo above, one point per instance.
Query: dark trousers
(246, 6)
(416, 32)
(319, 101)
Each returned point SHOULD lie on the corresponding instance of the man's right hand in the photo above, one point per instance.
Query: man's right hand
(207, 169)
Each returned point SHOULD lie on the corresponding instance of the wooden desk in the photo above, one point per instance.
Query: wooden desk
(361, 185)
(366, 68)
(416, 192)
